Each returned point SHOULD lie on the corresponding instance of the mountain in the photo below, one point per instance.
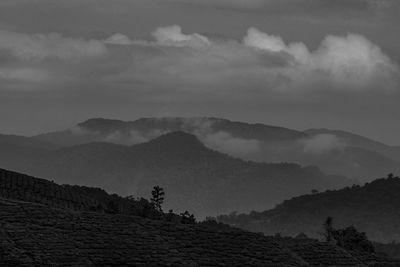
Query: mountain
(58, 231)
(195, 178)
(373, 208)
(23, 142)
(353, 162)
(334, 152)
(355, 140)
(145, 129)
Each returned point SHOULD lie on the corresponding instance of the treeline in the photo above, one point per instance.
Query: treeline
(372, 208)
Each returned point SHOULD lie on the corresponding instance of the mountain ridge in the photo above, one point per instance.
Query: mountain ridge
(334, 151)
(196, 177)
(372, 208)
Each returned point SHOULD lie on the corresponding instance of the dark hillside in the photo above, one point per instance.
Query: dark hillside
(22, 187)
(373, 208)
(54, 234)
(196, 178)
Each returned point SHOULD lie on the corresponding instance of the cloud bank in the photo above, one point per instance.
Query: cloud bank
(195, 62)
(322, 143)
(43, 46)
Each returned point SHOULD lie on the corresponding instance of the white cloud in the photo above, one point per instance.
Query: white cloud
(225, 142)
(193, 62)
(258, 39)
(173, 35)
(321, 143)
(119, 39)
(353, 59)
(344, 60)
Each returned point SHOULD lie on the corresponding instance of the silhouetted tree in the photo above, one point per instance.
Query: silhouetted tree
(314, 191)
(328, 228)
(157, 198)
(211, 219)
(187, 218)
(170, 215)
(349, 238)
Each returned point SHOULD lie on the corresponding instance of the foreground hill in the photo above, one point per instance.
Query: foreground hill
(23, 187)
(195, 178)
(57, 234)
(373, 208)
(334, 152)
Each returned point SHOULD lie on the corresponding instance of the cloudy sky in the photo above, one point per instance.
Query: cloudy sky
(295, 63)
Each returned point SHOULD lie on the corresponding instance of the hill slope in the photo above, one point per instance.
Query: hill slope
(355, 140)
(194, 177)
(373, 208)
(40, 235)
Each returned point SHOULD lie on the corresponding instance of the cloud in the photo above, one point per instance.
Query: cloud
(165, 36)
(221, 140)
(196, 63)
(258, 39)
(321, 143)
(119, 39)
(344, 60)
(172, 35)
(352, 58)
(201, 127)
(225, 142)
(54, 45)
(122, 137)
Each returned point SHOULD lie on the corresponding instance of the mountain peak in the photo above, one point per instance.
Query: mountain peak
(179, 139)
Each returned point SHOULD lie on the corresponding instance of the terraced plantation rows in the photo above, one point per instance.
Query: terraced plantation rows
(57, 231)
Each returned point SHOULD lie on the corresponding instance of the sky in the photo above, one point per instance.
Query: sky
(294, 63)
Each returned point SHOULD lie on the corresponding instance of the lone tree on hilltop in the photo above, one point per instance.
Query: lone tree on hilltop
(187, 218)
(348, 238)
(157, 197)
(314, 191)
(328, 229)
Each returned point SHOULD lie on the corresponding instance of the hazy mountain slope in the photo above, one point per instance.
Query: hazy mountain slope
(144, 129)
(353, 162)
(355, 140)
(335, 152)
(23, 142)
(373, 208)
(195, 178)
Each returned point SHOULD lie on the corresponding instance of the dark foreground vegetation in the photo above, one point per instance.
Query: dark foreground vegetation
(372, 208)
(45, 224)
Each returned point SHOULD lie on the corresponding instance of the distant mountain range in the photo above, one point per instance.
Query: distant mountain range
(373, 208)
(195, 178)
(334, 152)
